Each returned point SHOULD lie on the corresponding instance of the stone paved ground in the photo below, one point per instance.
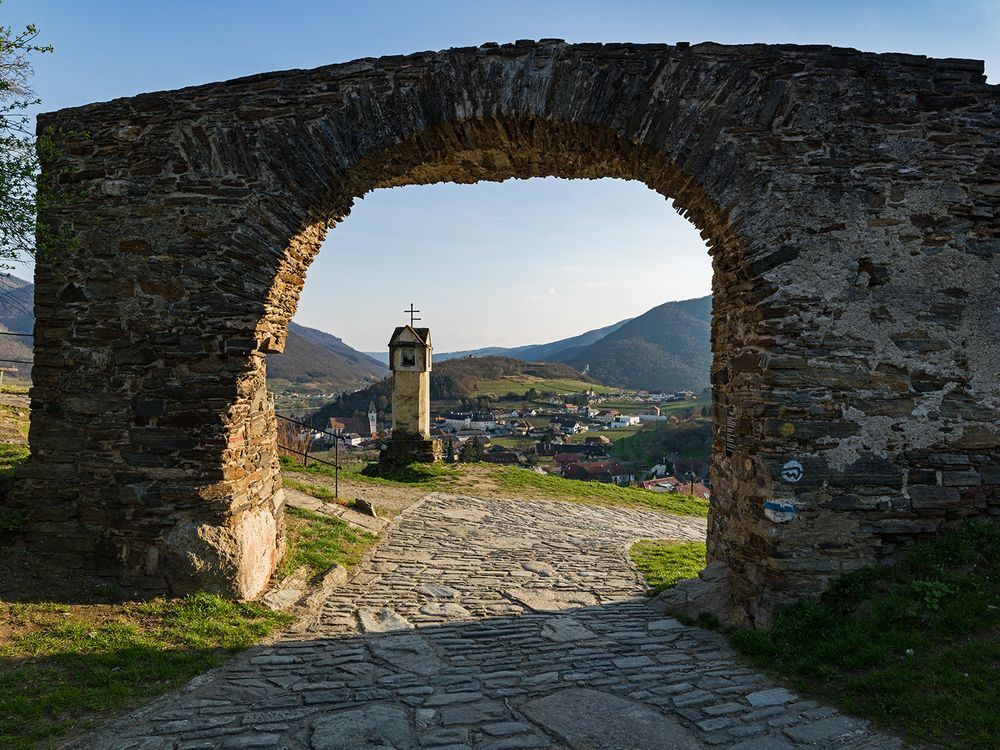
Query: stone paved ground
(493, 624)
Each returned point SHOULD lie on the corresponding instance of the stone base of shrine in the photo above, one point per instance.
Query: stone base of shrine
(406, 449)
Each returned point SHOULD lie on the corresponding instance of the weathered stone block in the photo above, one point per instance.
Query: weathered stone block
(923, 497)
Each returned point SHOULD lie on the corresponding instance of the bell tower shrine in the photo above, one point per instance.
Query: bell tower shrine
(410, 361)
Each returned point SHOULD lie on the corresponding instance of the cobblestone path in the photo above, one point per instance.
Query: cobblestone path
(493, 624)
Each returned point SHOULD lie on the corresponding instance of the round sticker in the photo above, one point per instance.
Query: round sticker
(792, 471)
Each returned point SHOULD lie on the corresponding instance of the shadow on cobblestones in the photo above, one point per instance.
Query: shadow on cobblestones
(528, 681)
(489, 625)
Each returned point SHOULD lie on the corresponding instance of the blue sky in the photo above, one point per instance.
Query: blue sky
(489, 264)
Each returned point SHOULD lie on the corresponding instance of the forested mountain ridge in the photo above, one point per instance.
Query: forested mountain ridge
(317, 361)
(667, 348)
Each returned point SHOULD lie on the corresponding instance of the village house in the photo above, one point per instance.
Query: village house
(608, 472)
(623, 420)
(518, 427)
(673, 485)
(662, 484)
(453, 421)
(646, 418)
(366, 426)
(563, 459)
(482, 421)
(498, 454)
(568, 426)
(583, 449)
(484, 437)
(658, 471)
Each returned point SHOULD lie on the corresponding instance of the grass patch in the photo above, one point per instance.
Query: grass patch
(487, 480)
(519, 482)
(318, 542)
(915, 647)
(664, 562)
(65, 668)
(12, 455)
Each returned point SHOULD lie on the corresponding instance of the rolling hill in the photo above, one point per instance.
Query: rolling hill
(320, 362)
(17, 315)
(668, 348)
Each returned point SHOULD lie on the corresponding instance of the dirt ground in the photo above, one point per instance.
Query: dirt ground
(389, 500)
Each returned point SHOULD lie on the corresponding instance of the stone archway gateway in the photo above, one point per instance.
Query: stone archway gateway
(851, 202)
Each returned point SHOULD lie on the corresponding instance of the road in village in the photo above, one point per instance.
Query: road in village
(493, 624)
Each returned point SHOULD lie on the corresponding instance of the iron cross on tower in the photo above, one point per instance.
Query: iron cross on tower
(411, 311)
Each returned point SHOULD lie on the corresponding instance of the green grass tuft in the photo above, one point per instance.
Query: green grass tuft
(665, 562)
(915, 646)
(319, 542)
(12, 455)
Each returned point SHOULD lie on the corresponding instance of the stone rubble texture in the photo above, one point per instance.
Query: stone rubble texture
(380, 668)
(849, 200)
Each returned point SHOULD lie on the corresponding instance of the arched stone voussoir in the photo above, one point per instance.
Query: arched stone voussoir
(848, 199)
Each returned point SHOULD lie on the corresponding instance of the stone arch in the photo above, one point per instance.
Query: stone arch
(849, 199)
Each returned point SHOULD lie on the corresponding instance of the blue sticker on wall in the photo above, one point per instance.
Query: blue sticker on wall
(780, 511)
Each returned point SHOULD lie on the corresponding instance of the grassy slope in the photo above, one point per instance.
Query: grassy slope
(506, 481)
(914, 647)
(66, 668)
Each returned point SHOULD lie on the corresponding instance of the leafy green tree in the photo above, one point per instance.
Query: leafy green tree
(21, 193)
(472, 450)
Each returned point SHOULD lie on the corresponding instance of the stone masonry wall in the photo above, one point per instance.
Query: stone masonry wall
(849, 200)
